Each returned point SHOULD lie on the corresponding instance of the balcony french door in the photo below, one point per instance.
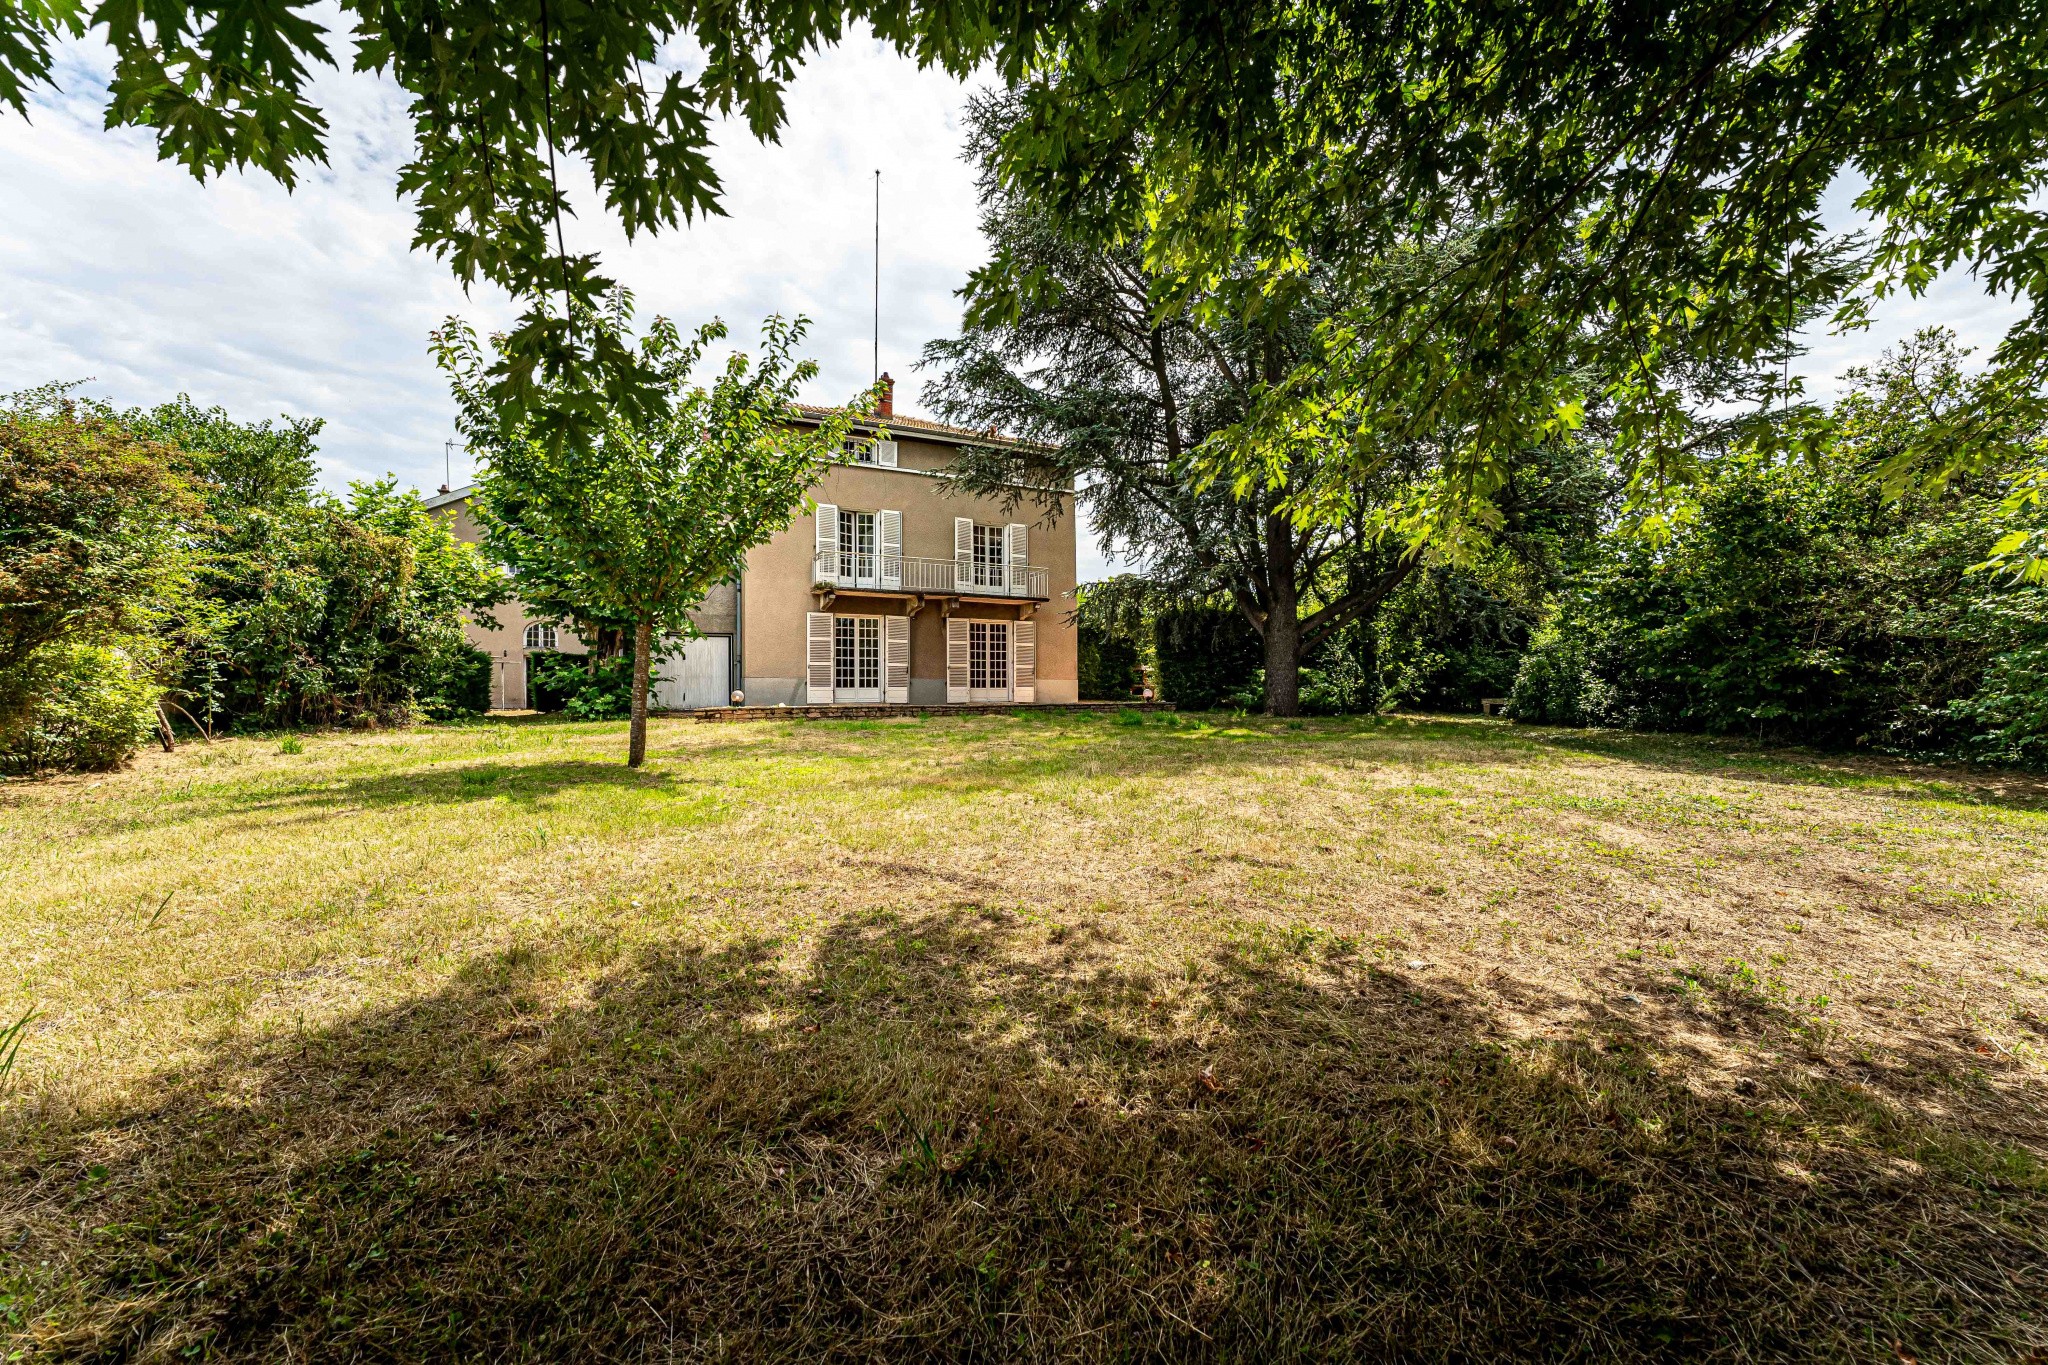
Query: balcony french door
(988, 661)
(990, 559)
(860, 564)
(856, 658)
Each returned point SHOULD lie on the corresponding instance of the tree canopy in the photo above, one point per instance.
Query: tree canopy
(1800, 604)
(1157, 401)
(1598, 190)
(1610, 186)
(1062, 344)
(639, 524)
(90, 524)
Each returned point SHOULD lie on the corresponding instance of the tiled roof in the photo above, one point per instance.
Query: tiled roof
(925, 425)
(912, 425)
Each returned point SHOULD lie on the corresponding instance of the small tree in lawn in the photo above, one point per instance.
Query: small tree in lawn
(639, 525)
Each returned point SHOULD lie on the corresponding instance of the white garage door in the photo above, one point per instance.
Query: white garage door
(697, 677)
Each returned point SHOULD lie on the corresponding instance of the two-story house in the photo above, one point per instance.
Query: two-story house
(900, 589)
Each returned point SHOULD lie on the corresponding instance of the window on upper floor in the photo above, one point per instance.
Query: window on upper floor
(990, 555)
(870, 450)
(857, 543)
(540, 637)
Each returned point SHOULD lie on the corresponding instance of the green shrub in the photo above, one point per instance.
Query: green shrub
(1341, 677)
(2008, 713)
(1204, 655)
(1452, 636)
(1249, 695)
(1557, 683)
(81, 708)
(456, 682)
(1108, 665)
(340, 613)
(584, 688)
(1799, 606)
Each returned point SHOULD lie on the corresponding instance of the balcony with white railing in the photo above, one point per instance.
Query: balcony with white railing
(852, 571)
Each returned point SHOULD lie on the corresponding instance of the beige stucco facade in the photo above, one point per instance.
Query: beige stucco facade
(506, 641)
(766, 633)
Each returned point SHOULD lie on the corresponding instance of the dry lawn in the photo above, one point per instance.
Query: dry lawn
(1024, 1038)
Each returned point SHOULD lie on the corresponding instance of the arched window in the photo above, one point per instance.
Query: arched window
(540, 637)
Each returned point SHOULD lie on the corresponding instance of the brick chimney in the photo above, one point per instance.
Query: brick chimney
(888, 406)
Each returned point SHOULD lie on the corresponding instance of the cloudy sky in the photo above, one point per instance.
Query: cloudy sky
(123, 270)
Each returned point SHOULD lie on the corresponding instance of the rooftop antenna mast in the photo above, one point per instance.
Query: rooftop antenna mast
(1785, 374)
(877, 377)
(447, 465)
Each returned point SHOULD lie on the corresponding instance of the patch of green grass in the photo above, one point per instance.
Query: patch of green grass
(1169, 1036)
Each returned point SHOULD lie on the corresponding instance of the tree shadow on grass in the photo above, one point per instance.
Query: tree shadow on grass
(951, 1135)
(320, 797)
(1166, 744)
(1740, 760)
(522, 783)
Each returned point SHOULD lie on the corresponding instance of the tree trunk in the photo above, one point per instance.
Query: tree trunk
(643, 652)
(1283, 621)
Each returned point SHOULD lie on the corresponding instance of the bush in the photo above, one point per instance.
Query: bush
(1452, 636)
(2009, 711)
(1341, 677)
(456, 682)
(91, 539)
(1557, 683)
(1799, 606)
(1108, 665)
(81, 708)
(583, 688)
(333, 613)
(1204, 654)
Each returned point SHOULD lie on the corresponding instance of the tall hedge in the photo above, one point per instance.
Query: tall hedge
(1108, 665)
(1204, 653)
(1801, 606)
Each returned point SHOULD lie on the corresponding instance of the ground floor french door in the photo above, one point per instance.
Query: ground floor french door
(991, 661)
(856, 658)
(988, 661)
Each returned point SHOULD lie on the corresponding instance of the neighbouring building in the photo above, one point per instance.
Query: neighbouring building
(901, 589)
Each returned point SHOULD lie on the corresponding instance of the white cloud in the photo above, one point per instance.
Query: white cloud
(125, 269)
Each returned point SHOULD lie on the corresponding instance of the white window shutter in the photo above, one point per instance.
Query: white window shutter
(956, 659)
(896, 660)
(963, 553)
(826, 570)
(1016, 553)
(1024, 661)
(818, 657)
(885, 454)
(889, 541)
